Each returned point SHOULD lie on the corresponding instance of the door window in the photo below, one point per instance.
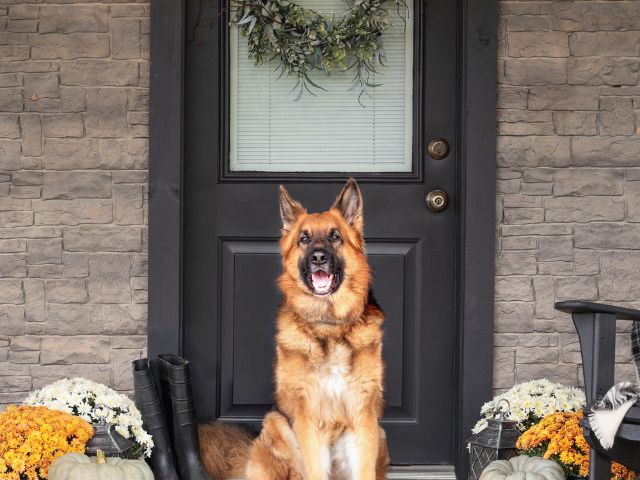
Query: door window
(334, 131)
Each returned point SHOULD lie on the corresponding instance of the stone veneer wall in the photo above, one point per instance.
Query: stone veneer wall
(73, 176)
(568, 204)
(73, 173)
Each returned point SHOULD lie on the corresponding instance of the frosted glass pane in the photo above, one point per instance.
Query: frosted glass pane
(332, 132)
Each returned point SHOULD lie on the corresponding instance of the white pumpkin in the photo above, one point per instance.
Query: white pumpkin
(75, 466)
(523, 467)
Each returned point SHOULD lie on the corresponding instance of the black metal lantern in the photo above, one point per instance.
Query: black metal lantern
(495, 442)
(107, 439)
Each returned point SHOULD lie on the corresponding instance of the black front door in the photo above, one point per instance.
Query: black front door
(231, 228)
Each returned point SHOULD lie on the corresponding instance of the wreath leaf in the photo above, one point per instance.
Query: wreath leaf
(307, 41)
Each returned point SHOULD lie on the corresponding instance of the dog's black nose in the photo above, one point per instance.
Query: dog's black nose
(319, 257)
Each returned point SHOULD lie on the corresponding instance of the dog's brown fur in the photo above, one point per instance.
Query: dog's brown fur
(224, 449)
(329, 370)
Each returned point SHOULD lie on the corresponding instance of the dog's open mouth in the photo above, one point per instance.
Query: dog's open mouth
(323, 283)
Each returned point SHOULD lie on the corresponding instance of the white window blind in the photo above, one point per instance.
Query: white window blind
(330, 132)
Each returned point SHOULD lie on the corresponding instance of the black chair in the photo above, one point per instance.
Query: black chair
(596, 326)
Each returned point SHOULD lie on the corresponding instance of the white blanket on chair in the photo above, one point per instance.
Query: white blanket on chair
(608, 413)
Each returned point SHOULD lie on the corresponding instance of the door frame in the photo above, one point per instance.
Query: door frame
(475, 218)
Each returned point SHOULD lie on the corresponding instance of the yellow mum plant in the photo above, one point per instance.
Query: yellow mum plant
(31, 438)
(559, 437)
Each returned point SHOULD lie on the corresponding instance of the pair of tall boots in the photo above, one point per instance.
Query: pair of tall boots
(179, 421)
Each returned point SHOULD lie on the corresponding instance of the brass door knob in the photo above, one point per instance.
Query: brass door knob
(437, 200)
(438, 148)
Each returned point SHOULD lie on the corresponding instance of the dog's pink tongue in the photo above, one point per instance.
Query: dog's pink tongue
(320, 279)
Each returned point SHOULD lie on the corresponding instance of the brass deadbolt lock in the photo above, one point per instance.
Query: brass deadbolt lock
(437, 200)
(438, 148)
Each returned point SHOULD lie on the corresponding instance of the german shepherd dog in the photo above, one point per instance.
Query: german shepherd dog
(328, 369)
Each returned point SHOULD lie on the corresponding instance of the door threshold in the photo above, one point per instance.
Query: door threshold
(422, 472)
(418, 472)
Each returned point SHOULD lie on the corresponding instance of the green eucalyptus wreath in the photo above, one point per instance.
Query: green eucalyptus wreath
(304, 40)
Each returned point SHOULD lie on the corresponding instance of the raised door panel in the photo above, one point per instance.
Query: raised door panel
(247, 327)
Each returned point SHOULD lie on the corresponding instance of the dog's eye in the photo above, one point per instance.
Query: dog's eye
(304, 238)
(335, 236)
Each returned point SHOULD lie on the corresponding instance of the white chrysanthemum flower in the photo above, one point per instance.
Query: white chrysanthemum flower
(84, 408)
(93, 402)
(530, 401)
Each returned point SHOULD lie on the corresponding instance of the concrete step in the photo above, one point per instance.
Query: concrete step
(422, 472)
(418, 472)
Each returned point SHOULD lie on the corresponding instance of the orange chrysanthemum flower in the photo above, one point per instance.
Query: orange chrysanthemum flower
(31, 438)
(559, 437)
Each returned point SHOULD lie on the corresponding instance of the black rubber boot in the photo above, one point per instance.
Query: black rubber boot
(176, 388)
(154, 421)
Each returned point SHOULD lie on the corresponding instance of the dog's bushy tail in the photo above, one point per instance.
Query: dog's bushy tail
(224, 449)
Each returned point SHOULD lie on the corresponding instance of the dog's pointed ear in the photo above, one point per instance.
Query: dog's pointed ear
(349, 204)
(290, 209)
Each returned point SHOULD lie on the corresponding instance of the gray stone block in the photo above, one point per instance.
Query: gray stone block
(514, 317)
(563, 97)
(11, 292)
(97, 73)
(128, 204)
(10, 155)
(535, 71)
(533, 355)
(603, 71)
(122, 374)
(67, 291)
(595, 16)
(31, 129)
(106, 115)
(576, 288)
(575, 123)
(46, 374)
(514, 289)
(516, 263)
(605, 151)
(616, 116)
(71, 319)
(124, 153)
(11, 100)
(12, 320)
(555, 249)
(13, 265)
(98, 238)
(74, 350)
(503, 367)
(72, 99)
(73, 18)
(73, 212)
(34, 300)
(70, 154)
(605, 44)
(533, 151)
(538, 44)
(566, 374)
(109, 278)
(125, 319)
(125, 38)
(70, 185)
(22, 12)
(619, 276)
(583, 182)
(63, 125)
(76, 265)
(9, 126)
(585, 209)
(44, 251)
(69, 46)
